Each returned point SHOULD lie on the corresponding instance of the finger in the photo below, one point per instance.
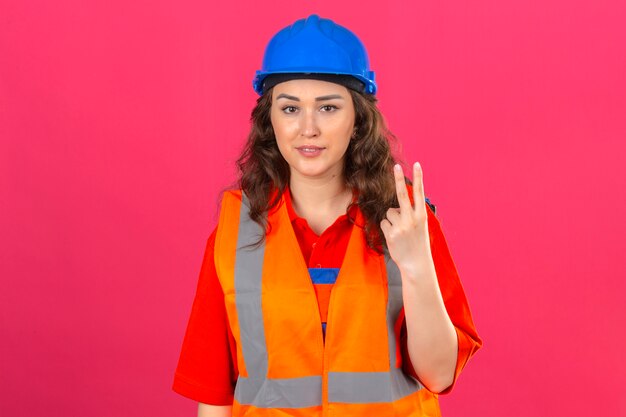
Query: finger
(385, 226)
(393, 215)
(418, 187)
(401, 191)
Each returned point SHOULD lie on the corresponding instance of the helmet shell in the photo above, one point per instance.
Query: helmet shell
(316, 45)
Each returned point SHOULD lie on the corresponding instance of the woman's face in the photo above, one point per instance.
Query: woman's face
(313, 122)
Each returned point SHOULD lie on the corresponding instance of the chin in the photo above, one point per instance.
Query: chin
(311, 171)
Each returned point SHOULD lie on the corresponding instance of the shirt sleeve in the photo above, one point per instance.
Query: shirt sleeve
(454, 299)
(207, 366)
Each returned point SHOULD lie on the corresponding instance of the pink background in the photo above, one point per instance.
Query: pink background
(120, 122)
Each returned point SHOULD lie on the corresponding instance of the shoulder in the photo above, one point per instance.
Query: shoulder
(229, 197)
(230, 201)
(431, 205)
(232, 193)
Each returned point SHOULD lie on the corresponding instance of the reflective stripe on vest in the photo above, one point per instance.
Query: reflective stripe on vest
(258, 387)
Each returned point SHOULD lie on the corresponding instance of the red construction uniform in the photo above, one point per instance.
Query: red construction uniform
(207, 367)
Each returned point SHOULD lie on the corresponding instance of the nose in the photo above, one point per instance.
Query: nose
(309, 127)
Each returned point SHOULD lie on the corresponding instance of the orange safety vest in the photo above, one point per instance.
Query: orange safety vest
(285, 366)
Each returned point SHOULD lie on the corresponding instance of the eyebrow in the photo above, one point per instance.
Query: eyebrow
(321, 98)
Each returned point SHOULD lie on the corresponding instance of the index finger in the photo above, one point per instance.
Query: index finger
(401, 191)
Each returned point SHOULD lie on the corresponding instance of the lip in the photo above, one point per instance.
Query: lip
(310, 147)
(310, 151)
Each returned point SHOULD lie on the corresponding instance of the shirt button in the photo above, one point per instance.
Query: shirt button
(315, 244)
(318, 265)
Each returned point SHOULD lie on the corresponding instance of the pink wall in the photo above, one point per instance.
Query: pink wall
(120, 122)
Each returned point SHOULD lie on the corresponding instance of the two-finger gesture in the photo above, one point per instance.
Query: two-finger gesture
(406, 227)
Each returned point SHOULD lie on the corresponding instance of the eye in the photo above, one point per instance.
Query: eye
(289, 109)
(329, 107)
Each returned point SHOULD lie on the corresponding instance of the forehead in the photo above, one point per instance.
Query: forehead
(304, 88)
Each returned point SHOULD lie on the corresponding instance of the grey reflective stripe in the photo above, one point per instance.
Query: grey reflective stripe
(285, 393)
(359, 387)
(257, 389)
(343, 387)
(369, 387)
(248, 273)
(401, 384)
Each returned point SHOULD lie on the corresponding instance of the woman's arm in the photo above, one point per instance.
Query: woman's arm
(455, 302)
(206, 410)
(432, 337)
(207, 366)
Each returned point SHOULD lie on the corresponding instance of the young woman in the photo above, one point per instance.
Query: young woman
(327, 287)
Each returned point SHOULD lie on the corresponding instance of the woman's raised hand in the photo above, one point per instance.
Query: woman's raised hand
(406, 227)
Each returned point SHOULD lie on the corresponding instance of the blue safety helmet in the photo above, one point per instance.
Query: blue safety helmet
(316, 48)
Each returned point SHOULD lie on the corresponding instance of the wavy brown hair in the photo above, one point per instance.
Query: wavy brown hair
(368, 168)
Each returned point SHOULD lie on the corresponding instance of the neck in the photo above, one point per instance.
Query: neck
(314, 196)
